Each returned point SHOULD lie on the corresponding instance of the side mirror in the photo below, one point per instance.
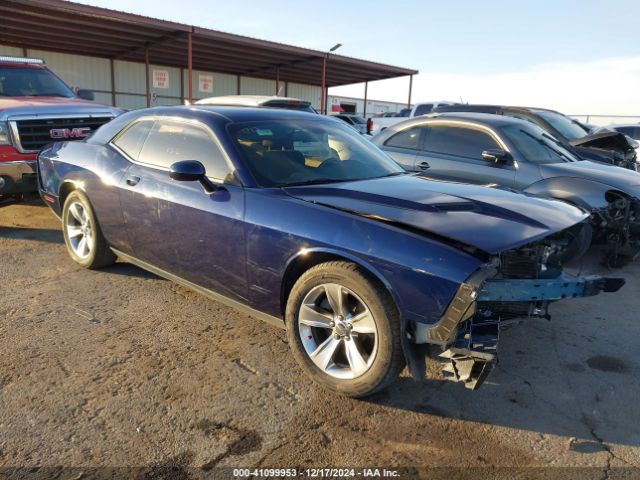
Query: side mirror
(497, 156)
(86, 94)
(187, 171)
(192, 171)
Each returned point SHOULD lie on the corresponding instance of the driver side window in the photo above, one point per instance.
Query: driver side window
(171, 141)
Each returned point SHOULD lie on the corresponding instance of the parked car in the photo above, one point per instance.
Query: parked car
(298, 220)
(516, 154)
(263, 101)
(356, 121)
(36, 108)
(611, 148)
(422, 108)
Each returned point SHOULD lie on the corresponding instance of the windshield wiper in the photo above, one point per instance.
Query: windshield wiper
(549, 147)
(317, 181)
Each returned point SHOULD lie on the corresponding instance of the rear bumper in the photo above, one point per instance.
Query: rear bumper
(18, 177)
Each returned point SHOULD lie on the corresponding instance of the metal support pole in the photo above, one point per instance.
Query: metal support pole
(326, 99)
(323, 105)
(113, 82)
(146, 69)
(181, 86)
(25, 52)
(286, 89)
(190, 66)
(366, 87)
(277, 81)
(238, 82)
(410, 88)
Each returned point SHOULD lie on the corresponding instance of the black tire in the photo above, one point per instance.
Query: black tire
(100, 255)
(389, 359)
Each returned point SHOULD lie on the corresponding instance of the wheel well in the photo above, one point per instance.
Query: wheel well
(65, 190)
(304, 262)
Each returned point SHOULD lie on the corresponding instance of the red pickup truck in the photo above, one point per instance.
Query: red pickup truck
(36, 108)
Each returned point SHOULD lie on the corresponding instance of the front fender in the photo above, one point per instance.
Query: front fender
(587, 194)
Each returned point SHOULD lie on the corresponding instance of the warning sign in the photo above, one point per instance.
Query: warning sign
(206, 83)
(160, 78)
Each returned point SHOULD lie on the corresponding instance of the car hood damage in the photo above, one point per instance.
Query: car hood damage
(489, 219)
(603, 140)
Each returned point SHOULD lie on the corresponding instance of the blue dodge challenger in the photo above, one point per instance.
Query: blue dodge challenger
(299, 221)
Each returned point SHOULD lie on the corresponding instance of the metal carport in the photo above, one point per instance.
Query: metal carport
(70, 27)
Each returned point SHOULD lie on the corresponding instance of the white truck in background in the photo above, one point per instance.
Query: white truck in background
(422, 108)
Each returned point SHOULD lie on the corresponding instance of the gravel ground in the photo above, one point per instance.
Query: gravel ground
(118, 372)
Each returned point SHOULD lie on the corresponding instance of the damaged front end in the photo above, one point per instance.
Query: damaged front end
(516, 285)
(618, 226)
(608, 147)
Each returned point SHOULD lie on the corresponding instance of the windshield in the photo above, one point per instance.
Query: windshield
(568, 128)
(31, 82)
(296, 152)
(536, 145)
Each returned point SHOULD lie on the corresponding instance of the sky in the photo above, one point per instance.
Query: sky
(579, 57)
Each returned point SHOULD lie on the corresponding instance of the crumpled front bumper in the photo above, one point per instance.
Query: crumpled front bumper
(18, 177)
(468, 335)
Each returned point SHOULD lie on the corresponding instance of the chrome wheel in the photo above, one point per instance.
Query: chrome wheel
(338, 331)
(79, 230)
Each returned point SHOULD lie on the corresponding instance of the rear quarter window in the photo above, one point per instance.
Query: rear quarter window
(409, 139)
(131, 140)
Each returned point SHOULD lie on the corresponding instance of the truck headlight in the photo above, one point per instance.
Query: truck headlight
(4, 134)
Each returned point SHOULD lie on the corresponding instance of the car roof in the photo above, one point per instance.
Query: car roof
(489, 107)
(246, 100)
(487, 118)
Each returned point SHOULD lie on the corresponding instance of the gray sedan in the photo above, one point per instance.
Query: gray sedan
(505, 152)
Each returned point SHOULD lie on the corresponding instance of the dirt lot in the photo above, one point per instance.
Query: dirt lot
(118, 368)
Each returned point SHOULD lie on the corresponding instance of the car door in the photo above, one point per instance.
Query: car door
(453, 151)
(403, 146)
(175, 225)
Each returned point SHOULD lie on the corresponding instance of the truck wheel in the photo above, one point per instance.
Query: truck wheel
(82, 235)
(344, 329)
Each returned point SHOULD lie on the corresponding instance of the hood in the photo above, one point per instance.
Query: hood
(604, 140)
(489, 219)
(622, 179)
(45, 106)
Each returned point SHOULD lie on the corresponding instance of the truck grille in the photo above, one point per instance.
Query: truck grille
(34, 134)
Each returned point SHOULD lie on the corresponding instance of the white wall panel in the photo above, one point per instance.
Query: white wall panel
(223, 84)
(103, 98)
(78, 71)
(130, 77)
(131, 102)
(257, 86)
(13, 51)
(174, 81)
(310, 93)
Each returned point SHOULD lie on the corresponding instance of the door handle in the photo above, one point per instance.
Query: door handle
(423, 165)
(132, 180)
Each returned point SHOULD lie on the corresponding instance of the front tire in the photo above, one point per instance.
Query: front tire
(344, 329)
(82, 235)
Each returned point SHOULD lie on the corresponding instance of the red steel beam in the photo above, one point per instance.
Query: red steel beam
(190, 66)
(146, 71)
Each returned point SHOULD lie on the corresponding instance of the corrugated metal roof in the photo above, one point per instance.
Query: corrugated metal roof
(87, 30)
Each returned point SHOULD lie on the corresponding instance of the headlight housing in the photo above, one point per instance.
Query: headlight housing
(5, 139)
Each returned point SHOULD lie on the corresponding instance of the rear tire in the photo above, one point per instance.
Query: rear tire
(82, 235)
(344, 329)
